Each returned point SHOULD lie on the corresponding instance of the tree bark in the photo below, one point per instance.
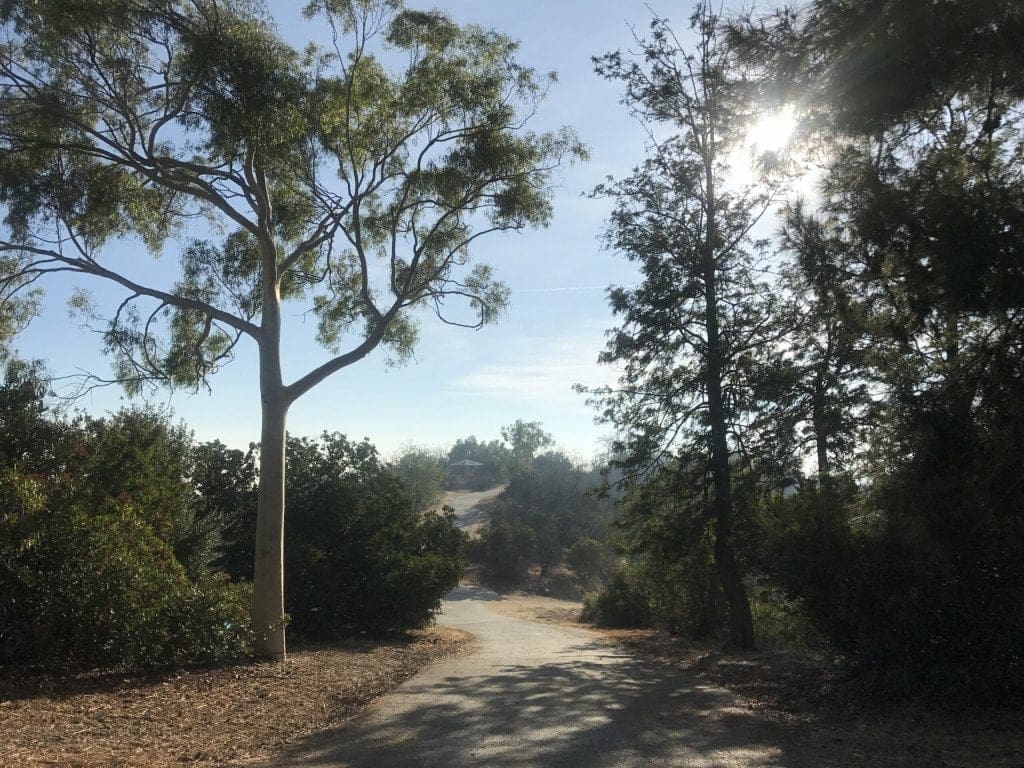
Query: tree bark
(741, 624)
(268, 579)
(819, 423)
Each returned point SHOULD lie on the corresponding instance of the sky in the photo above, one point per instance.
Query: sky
(460, 382)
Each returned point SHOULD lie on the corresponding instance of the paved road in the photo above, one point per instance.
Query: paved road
(544, 695)
(468, 512)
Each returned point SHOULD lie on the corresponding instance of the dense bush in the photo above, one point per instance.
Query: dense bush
(224, 481)
(95, 586)
(918, 583)
(360, 557)
(423, 473)
(505, 549)
(588, 560)
(105, 553)
(622, 603)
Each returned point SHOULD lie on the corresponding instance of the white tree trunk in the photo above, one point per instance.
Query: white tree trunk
(268, 581)
(268, 578)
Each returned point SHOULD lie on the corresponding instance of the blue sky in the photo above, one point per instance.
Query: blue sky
(460, 382)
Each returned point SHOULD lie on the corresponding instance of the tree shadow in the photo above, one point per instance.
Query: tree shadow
(594, 706)
(466, 592)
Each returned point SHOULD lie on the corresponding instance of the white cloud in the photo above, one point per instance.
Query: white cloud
(544, 369)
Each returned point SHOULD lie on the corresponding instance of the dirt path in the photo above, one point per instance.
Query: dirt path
(466, 504)
(535, 694)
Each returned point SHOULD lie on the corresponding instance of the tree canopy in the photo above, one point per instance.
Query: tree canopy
(274, 175)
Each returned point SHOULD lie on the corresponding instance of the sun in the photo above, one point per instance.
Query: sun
(772, 132)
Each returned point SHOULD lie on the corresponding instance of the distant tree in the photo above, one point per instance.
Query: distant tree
(322, 176)
(524, 439)
(423, 472)
(558, 500)
(693, 329)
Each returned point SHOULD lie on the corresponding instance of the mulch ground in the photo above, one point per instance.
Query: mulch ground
(224, 716)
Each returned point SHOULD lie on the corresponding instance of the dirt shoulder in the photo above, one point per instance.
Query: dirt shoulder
(237, 714)
(546, 610)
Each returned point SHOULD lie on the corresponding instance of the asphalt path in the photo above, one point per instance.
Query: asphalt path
(533, 694)
(469, 506)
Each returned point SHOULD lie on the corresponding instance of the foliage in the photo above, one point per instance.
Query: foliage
(326, 179)
(505, 549)
(423, 473)
(361, 557)
(622, 603)
(588, 560)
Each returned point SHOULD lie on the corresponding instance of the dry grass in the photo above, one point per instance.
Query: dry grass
(229, 715)
(546, 610)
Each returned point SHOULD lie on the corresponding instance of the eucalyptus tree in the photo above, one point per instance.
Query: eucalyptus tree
(524, 439)
(325, 177)
(693, 329)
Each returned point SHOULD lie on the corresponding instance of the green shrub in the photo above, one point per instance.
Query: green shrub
(97, 588)
(505, 549)
(588, 560)
(360, 557)
(622, 603)
(780, 621)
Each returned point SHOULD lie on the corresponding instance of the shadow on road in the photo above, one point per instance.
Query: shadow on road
(472, 593)
(606, 709)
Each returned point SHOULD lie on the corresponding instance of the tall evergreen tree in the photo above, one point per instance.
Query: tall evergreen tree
(692, 329)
